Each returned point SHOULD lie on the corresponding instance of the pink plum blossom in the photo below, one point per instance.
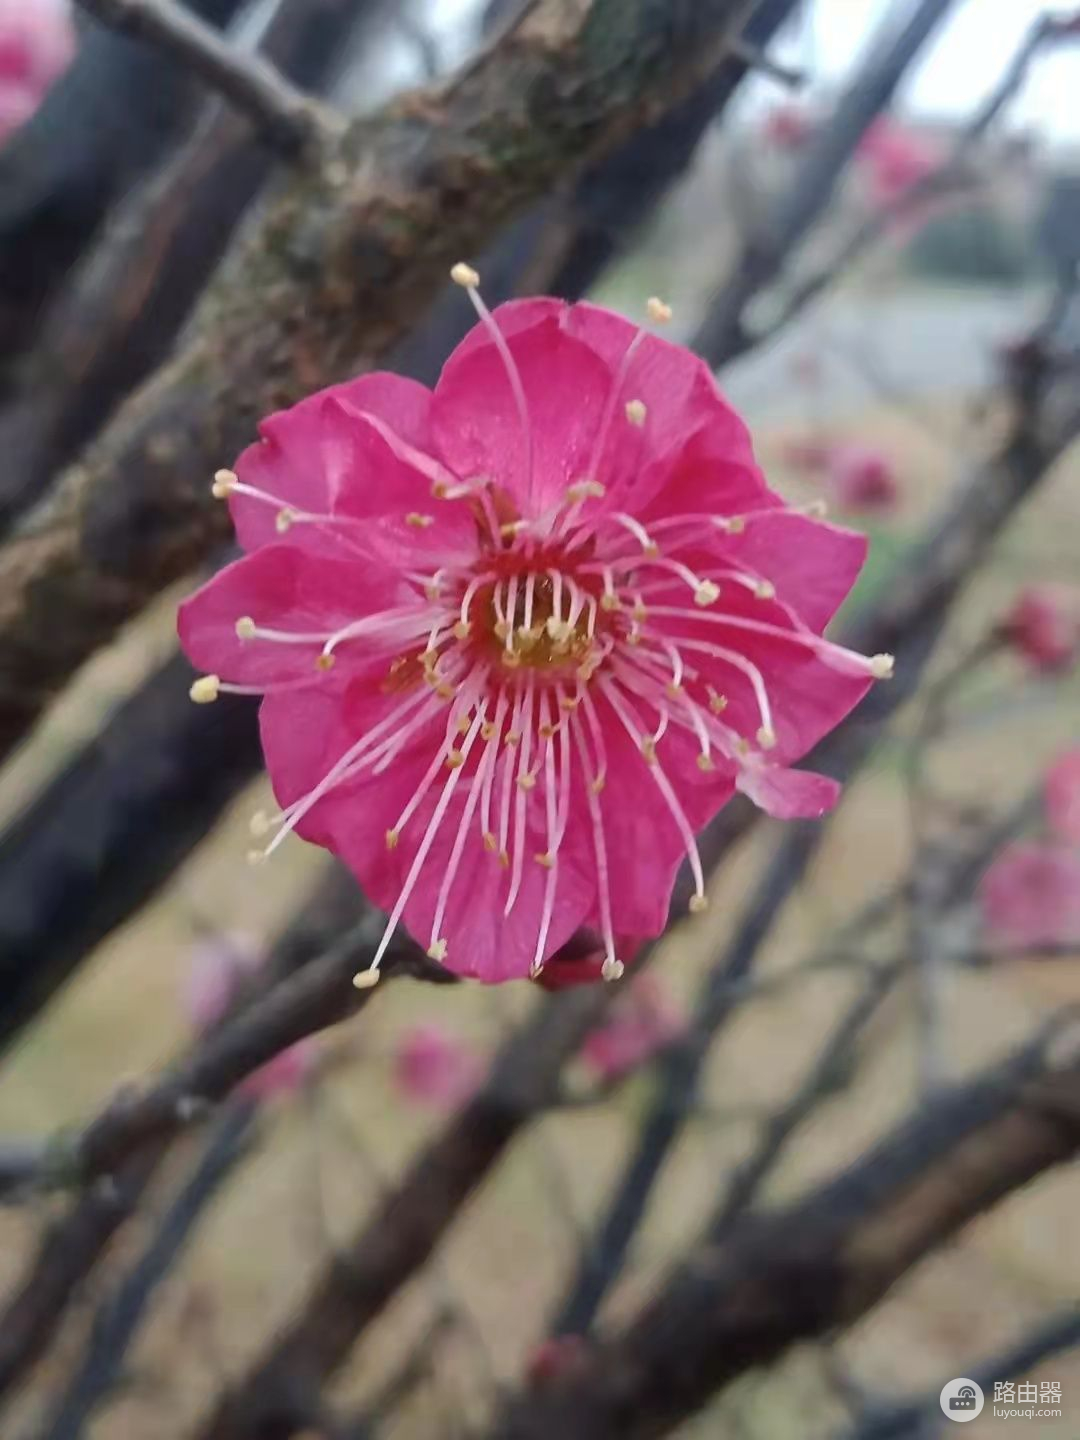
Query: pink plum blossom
(894, 159)
(520, 637)
(37, 42)
(1044, 627)
(1030, 895)
(433, 1068)
(862, 478)
(1063, 797)
(642, 1022)
(219, 967)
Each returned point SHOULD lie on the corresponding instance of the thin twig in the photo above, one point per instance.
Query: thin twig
(287, 117)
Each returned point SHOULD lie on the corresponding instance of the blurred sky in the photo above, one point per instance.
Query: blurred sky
(969, 57)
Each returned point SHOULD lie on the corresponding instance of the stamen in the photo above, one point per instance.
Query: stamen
(659, 313)
(636, 412)
(206, 689)
(766, 735)
(845, 662)
(437, 948)
(641, 535)
(593, 786)
(469, 280)
(522, 795)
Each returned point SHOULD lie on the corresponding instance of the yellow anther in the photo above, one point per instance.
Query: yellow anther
(766, 737)
(569, 703)
(205, 690)
(464, 725)
(504, 859)
(284, 519)
(454, 760)
(429, 657)
(610, 601)
(245, 628)
(461, 630)
(742, 746)
(440, 490)
(255, 857)
(634, 638)
(598, 784)
(547, 732)
(704, 762)
(648, 749)
(673, 691)
(636, 412)
(500, 629)
(465, 276)
(392, 838)
(732, 524)
(527, 638)
(366, 979)
(437, 950)
(509, 659)
(640, 610)
(882, 667)
(698, 903)
(445, 691)
(259, 824)
(326, 661)
(585, 490)
(487, 731)
(225, 482)
(510, 528)
(546, 860)
(706, 593)
(717, 703)
(513, 737)
(659, 313)
(418, 521)
(612, 969)
(490, 842)
(526, 781)
(765, 590)
(432, 590)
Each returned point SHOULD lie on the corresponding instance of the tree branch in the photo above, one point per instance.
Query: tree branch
(340, 266)
(287, 117)
(810, 1268)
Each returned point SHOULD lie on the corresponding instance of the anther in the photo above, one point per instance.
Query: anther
(698, 903)
(509, 659)
(255, 857)
(765, 590)
(418, 521)
(704, 762)
(673, 691)
(245, 628)
(491, 844)
(717, 702)
(461, 630)
(487, 731)
(465, 276)
(882, 666)
(283, 520)
(636, 412)
(366, 979)
(444, 691)
(817, 509)
(437, 950)
(204, 691)
(500, 629)
(504, 859)
(464, 725)
(569, 703)
(454, 760)
(585, 490)
(598, 784)
(225, 482)
(259, 824)
(610, 601)
(325, 661)
(730, 524)
(640, 611)
(766, 737)
(648, 749)
(392, 838)
(546, 860)
(659, 313)
(526, 781)
(706, 593)
(612, 969)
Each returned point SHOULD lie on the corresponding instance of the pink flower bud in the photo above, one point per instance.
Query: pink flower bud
(433, 1068)
(862, 478)
(1044, 626)
(643, 1021)
(1030, 896)
(37, 42)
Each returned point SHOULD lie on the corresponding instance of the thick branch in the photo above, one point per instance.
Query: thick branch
(285, 115)
(341, 265)
(820, 1264)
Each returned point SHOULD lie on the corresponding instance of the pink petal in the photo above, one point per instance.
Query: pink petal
(432, 1067)
(1030, 896)
(1063, 797)
(478, 430)
(788, 794)
(283, 588)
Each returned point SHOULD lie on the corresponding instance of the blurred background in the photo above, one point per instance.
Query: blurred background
(818, 1158)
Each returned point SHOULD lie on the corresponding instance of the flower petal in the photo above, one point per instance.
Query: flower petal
(788, 794)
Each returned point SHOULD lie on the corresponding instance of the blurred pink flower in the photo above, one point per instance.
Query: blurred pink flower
(862, 478)
(556, 1359)
(1044, 626)
(434, 1068)
(520, 637)
(806, 457)
(787, 127)
(642, 1021)
(1030, 895)
(37, 42)
(1062, 796)
(894, 159)
(219, 966)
